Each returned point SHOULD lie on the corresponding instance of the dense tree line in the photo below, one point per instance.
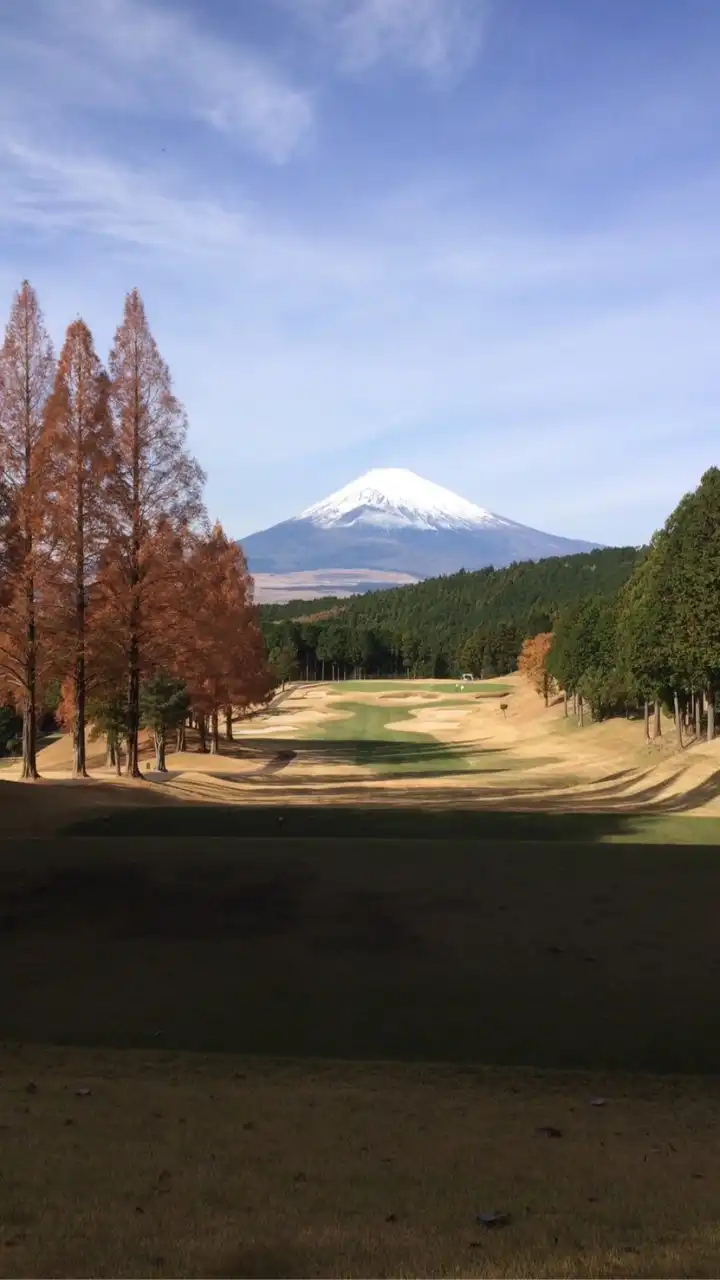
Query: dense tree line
(113, 588)
(468, 622)
(654, 645)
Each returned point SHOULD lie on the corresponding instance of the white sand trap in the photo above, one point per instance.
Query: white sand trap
(610, 764)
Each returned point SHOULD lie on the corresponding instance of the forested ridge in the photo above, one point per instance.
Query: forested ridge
(474, 621)
(653, 645)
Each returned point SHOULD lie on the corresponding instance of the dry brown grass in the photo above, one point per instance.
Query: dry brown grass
(177, 1165)
(552, 763)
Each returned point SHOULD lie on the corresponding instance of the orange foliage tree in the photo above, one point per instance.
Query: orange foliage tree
(26, 372)
(224, 661)
(156, 484)
(79, 442)
(532, 663)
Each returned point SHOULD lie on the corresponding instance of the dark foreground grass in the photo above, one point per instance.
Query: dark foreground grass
(556, 954)
(201, 1113)
(439, 821)
(175, 1165)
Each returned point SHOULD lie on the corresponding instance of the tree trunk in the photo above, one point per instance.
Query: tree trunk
(79, 757)
(658, 719)
(575, 705)
(322, 669)
(118, 761)
(203, 739)
(110, 753)
(647, 720)
(29, 729)
(698, 716)
(160, 766)
(133, 708)
(678, 720)
(546, 688)
(565, 703)
(228, 725)
(181, 740)
(214, 734)
(710, 714)
(581, 710)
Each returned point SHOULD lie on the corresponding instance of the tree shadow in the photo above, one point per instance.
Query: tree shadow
(406, 817)
(409, 752)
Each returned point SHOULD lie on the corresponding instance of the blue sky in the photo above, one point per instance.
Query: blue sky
(477, 238)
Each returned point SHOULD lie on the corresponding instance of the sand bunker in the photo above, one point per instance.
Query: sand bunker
(537, 757)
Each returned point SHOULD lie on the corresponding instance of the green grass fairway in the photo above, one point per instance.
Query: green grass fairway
(418, 686)
(390, 750)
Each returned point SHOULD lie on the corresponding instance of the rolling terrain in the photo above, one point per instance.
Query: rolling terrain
(331, 995)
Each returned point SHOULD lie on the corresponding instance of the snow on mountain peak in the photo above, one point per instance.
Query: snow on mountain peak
(393, 497)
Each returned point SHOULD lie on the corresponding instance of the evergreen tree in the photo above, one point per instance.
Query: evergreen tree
(107, 716)
(164, 705)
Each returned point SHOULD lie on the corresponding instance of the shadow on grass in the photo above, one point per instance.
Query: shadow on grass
(502, 938)
(406, 753)
(402, 821)
(351, 823)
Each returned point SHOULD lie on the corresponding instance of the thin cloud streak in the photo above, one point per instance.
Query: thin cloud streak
(55, 194)
(439, 39)
(160, 61)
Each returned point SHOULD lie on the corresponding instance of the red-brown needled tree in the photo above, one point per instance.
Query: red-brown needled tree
(26, 373)
(225, 664)
(156, 481)
(80, 447)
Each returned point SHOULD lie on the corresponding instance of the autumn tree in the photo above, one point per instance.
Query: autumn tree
(81, 464)
(225, 662)
(26, 372)
(10, 543)
(532, 663)
(156, 483)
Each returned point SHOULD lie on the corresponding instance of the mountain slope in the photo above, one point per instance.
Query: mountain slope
(394, 521)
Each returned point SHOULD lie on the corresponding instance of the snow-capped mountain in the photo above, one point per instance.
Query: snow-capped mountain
(390, 524)
(395, 498)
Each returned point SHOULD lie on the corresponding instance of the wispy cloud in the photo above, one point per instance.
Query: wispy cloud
(75, 193)
(438, 38)
(159, 61)
(514, 322)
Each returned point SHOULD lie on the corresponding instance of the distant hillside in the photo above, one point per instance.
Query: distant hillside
(432, 620)
(463, 601)
(303, 608)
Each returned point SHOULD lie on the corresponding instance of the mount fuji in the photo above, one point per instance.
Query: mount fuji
(387, 527)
